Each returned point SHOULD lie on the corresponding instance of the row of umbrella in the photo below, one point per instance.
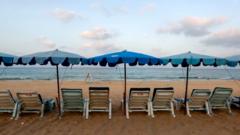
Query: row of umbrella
(125, 57)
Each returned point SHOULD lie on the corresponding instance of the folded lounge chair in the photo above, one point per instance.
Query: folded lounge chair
(99, 101)
(220, 99)
(7, 103)
(30, 103)
(162, 100)
(198, 101)
(72, 101)
(139, 101)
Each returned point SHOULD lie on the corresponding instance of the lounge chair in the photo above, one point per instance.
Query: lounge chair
(220, 99)
(139, 101)
(99, 101)
(162, 100)
(72, 101)
(8, 103)
(198, 101)
(31, 102)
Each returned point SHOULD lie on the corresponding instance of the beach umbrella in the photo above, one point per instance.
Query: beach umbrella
(124, 57)
(192, 59)
(7, 59)
(233, 61)
(55, 58)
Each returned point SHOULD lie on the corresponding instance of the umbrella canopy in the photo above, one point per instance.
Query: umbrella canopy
(233, 61)
(194, 59)
(55, 57)
(127, 57)
(7, 59)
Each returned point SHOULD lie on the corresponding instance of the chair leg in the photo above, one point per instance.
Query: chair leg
(152, 111)
(149, 108)
(14, 111)
(187, 108)
(127, 112)
(110, 109)
(172, 110)
(84, 109)
(87, 111)
(207, 108)
(229, 107)
(18, 111)
(42, 110)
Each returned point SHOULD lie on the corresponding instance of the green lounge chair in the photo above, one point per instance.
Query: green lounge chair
(198, 101)
(8, 103)
(31, 102)
(99, 101)
(139, 101)
(72, 101)
(162, 100)
(220, 99)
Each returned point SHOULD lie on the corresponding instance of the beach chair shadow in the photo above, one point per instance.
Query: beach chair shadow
(8, 103)
(162, 100)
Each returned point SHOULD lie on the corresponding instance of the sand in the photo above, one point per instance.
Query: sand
(139, 123)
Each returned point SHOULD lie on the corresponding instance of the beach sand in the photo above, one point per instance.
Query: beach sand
(139, 123)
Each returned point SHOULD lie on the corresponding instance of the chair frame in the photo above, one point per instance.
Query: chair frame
(128, 101)
(98, 91)
(13, 101)
(198, 95)
(63, 90)
(166, 96)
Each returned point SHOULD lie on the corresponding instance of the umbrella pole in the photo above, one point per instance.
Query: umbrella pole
(125, 87)
(186, 90)
(58, 88)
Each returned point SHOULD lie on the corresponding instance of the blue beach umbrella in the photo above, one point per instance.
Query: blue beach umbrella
(56, 58)
(233, 61)
(124, 57)
(7, 59)
(192, 59)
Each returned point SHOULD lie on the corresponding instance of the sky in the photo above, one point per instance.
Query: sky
(94, 27)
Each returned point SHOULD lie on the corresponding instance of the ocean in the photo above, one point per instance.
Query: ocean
(144, 73)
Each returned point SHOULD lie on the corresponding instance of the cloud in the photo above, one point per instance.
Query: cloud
(226, 38)
(97, 33)
(66, 15)
(149, 7)
(45, 41)
(192, 26)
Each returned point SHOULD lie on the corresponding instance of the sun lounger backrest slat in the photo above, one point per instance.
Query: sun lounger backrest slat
(220, 96)
(199, 97)
(162, 96)
(98, 97)
(72, 98)
(30, 100)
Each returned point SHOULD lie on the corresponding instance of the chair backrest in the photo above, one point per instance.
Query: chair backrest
(139, 97)
(162, 96)
(72, 98)
(220, 96)
(30, 100)
(6, 99)
(99, 97)
(199, 97)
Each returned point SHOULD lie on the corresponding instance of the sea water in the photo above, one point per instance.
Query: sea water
(116, 73)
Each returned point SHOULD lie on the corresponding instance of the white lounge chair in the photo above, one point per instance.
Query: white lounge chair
(72, 101)
(139, 101)
(8, 103)
(162, 100)
(31, 102)
(99, 101)
(198, 101)
(220, 99)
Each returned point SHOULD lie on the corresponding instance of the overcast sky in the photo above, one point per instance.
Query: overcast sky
(87, 27)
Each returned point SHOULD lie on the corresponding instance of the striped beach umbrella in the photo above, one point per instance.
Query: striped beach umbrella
(192, 59)
(7, 59)
(55, 58)
(233, 61)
